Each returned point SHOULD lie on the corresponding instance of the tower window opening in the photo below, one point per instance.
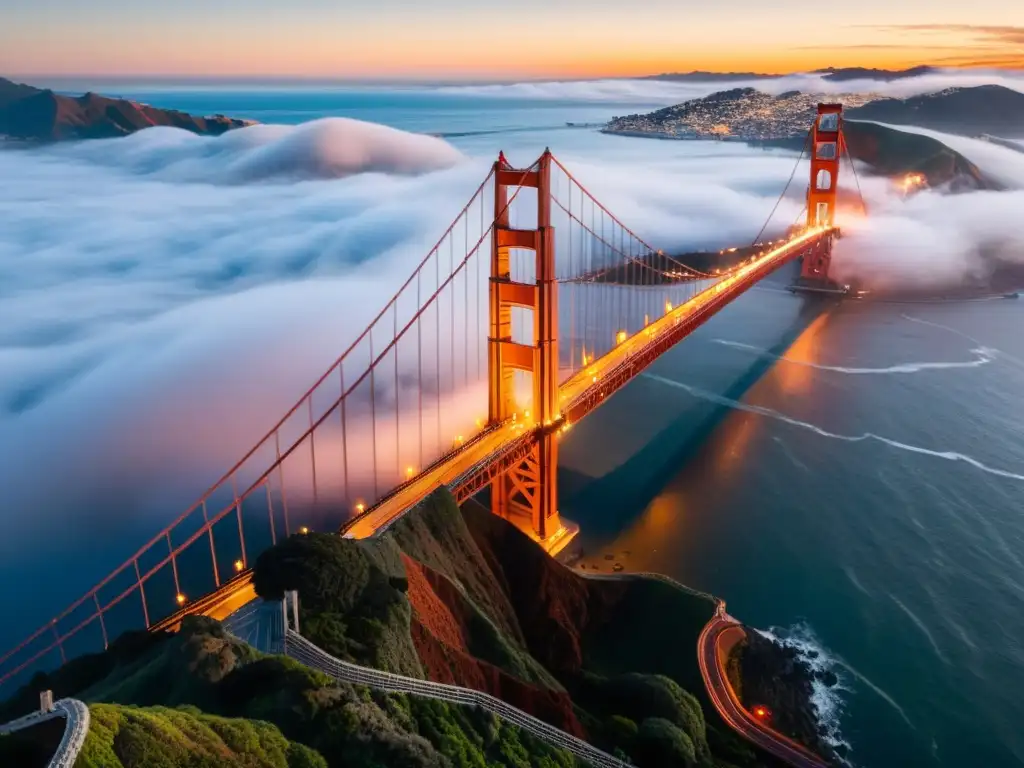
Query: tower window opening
(823, 181)
(829, 122)
(826, 150)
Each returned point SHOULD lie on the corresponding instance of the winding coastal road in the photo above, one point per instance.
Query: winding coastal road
(718, 636)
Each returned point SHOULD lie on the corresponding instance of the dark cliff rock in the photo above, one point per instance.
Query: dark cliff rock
(774, 676)
(32, 114)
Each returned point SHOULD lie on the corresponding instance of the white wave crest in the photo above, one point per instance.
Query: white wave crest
(826, 700)
(982, 355)
(772, 414)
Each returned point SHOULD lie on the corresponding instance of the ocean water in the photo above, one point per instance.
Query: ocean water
(847, 477)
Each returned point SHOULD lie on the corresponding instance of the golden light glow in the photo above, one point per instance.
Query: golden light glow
(409, 471)
(620, 337)
(180, 598)
(239, 565)
(912, 181)
(668, 307)
(303, 530)
(360, 507)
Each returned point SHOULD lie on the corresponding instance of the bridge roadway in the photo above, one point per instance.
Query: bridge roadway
(470, 467)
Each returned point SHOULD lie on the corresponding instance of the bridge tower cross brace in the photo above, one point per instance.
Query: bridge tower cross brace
(527, 494)
(827, 148)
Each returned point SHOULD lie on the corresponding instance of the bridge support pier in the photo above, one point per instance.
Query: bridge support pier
(526, 495)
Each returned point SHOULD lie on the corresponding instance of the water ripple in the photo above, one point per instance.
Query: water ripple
(762, 411)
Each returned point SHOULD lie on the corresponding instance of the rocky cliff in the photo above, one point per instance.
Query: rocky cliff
(33, 114)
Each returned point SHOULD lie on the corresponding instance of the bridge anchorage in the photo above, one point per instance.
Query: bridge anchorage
(535, 306)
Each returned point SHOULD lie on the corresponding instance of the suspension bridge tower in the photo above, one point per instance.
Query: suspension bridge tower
(827, 149)
(527, 493)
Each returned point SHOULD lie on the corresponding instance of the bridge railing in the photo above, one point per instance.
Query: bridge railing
(300, 649)
(314, 463)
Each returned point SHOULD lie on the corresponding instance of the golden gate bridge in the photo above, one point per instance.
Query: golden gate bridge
(532, 309)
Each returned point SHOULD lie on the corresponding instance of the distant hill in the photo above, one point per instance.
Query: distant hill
(760, 119)
(700, 76)
(829, 73)
(983, 109)
(863, 73)
(895, 153)
(34, 114)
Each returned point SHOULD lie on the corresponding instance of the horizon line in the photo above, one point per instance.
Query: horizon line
(412, 78)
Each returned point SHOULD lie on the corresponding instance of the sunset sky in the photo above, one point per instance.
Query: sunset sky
(474, 39)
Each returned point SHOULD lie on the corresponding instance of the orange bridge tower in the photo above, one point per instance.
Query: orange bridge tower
(527, 493)
(827, 148)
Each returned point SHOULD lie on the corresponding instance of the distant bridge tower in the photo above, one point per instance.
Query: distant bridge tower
(527, 494)
(827, 148)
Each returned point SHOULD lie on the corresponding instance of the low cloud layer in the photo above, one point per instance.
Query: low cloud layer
(330, 148)
(934, 240)
(163, 298)
(666, 92)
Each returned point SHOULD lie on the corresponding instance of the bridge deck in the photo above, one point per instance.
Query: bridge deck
(579, 394)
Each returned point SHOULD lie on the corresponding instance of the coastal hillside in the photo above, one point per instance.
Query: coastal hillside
(454, 596)
(830, 73)
(760, 119)
(894, 153)
(463, 597)
(201, 698)
(865, 73)
(33, 114)
(984, 109)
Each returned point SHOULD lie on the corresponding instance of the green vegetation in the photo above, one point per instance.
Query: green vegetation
(235, 706)
(732, 668)
(613, 661)
(352, 603)
(130, 737)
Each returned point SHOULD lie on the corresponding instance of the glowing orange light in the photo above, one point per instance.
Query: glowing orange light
(180, 598)
(620, 337)
(303, 530)
(239, 565)
(409, 471)
(360, 507)
(668, 306)
(761, 712)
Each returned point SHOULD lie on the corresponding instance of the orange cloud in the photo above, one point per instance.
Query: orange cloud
(976, 45)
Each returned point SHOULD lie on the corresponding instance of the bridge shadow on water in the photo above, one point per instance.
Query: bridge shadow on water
(608, 505)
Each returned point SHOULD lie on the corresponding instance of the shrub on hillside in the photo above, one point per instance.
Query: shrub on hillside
(352, 600)
(131, 737)
(638, 698)
(660, 744)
